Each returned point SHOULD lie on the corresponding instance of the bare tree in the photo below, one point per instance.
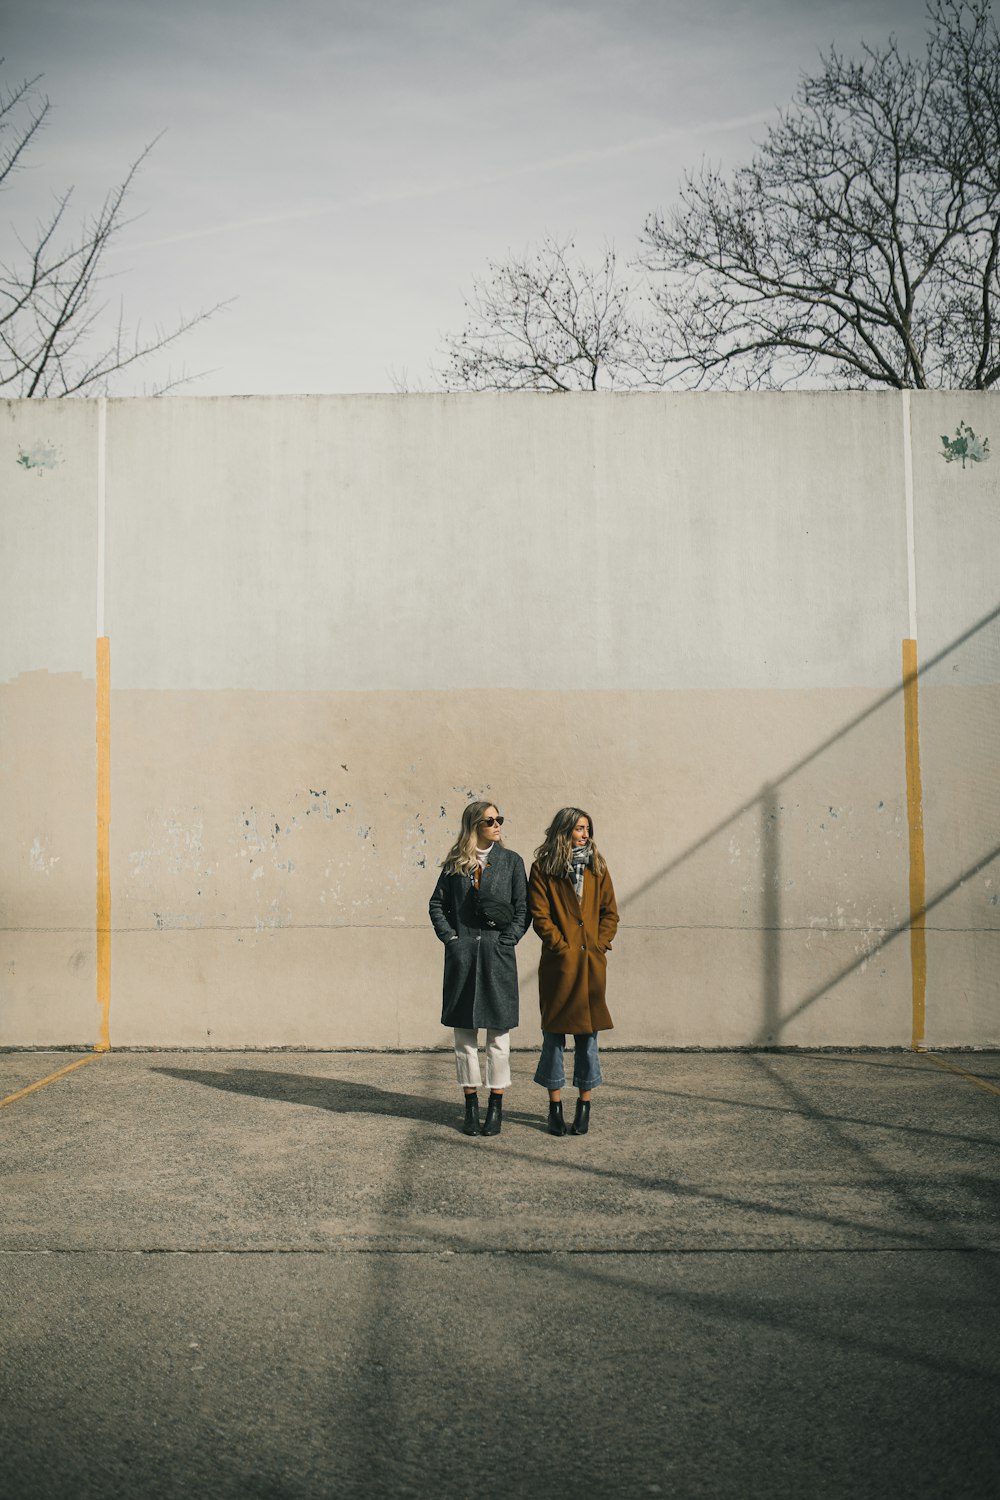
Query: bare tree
(54, 338)
(542, 321)
(860, 246)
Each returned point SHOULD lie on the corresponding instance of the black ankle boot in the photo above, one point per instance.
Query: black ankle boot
(494, 1115)
(557, 1125)
(471, 1126)
(581, 1120)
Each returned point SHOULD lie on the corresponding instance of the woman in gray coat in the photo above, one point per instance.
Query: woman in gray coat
(479, 910)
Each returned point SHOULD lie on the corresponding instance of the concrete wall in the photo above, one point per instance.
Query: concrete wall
(333, 620)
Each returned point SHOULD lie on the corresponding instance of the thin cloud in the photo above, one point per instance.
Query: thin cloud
(463, 184)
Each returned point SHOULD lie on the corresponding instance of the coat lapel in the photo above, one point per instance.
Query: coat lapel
(573, 900)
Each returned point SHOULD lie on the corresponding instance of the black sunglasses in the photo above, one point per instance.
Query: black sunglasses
(488, 822)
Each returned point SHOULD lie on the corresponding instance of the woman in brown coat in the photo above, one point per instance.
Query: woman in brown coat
(572, 905)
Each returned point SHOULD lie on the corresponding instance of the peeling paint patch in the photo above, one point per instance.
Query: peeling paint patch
(40, 457)
(320, 805)
(415, 844)
(273, 918)
(42, 862)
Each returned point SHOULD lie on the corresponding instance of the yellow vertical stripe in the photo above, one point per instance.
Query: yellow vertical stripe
(915, 822)
(104, 842)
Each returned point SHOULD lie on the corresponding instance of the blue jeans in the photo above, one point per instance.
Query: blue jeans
(551, 1073)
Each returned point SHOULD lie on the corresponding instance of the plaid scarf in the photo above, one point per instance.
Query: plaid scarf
(579, 859)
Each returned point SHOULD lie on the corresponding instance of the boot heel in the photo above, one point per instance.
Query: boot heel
(494, 1115)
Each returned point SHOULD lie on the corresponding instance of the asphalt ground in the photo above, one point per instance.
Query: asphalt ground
(290, 1275)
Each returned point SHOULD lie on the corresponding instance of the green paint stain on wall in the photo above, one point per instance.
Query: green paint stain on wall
(41, 457)
(965, 445)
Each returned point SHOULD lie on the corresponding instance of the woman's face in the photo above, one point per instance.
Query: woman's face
(485, 834)
(581, 833)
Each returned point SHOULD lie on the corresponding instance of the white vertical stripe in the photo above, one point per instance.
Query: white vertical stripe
(102, 438)
(911, 563)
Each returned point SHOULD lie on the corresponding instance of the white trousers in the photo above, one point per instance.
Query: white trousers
(497, 1058)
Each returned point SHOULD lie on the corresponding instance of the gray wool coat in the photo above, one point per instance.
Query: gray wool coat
(480, 969)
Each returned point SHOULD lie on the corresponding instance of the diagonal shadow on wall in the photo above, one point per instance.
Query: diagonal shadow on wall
(766, 820)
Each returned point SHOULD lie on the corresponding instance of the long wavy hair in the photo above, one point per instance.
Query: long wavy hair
(461, 857)
(553, 855)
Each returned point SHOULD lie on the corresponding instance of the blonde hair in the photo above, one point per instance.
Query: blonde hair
(461, 857)
(553, 855)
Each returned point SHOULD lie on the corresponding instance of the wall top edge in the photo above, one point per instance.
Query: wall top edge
(466, 397)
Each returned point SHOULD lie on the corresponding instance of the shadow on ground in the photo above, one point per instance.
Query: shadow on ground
(336, 1094)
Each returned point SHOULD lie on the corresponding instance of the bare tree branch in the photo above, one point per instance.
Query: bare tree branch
(543, 321)
(11, 151)
(53, 337)
(860, 245)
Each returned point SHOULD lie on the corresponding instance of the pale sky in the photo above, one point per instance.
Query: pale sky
(343, 168)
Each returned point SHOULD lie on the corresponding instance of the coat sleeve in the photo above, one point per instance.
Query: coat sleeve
(608, 919)
(518, 900)
(439, 919)
(540, 906)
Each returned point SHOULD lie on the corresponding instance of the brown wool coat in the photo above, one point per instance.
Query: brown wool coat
(572, 973)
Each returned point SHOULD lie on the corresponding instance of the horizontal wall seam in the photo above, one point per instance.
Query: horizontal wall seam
(193, 929)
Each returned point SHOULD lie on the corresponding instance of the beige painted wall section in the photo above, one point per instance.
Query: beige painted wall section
(957, 553)
(48, 610)
(47, 771)
(292, 875)
(335, 619)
